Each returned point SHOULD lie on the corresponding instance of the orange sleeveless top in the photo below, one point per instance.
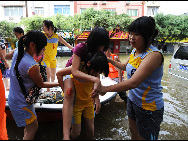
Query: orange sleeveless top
(113, 72)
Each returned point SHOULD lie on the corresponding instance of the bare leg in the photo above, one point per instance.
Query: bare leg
(75, 132)
(48, 71)
(67, 111)
(89, 128)
(133, 129)
(30, 130)
(53, 71)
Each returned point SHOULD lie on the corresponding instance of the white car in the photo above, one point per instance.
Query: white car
(179, 62)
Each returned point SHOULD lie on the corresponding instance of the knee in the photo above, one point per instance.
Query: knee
(69, 94)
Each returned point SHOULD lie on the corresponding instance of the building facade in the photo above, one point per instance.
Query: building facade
(14, 11)
(134, 9)
(119, 42)
(151, 8)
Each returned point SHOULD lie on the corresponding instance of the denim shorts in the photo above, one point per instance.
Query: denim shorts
(148, 122)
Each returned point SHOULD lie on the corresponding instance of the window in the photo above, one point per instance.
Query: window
(82, 10)
(110, 10)
(182, 53)
(152, 11)
(132, 12)
(13, 11)
(39, 11)
(62, 9)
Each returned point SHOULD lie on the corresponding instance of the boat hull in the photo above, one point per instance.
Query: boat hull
(53, 112)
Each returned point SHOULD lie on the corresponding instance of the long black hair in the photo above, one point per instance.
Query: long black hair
(49, 23)
(98, 37)
(146, 27)
(35, 36)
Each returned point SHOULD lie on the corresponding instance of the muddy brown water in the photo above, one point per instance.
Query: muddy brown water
(112, 121)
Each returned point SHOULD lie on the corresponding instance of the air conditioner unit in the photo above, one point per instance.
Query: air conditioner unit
(127, 2)
(94, 2)
(10, 18)
(103, 2)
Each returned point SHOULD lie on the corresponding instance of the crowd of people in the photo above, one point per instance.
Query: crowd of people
(80, 79)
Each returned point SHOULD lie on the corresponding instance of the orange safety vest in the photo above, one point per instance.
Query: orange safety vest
(113, 72)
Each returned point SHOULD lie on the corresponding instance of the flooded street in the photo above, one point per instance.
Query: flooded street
(112, 121)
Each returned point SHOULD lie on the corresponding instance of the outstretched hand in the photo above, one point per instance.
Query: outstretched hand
(96, 89)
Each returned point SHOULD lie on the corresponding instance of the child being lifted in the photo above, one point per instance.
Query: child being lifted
(83, 103)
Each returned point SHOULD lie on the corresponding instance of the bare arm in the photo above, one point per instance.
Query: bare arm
(119, 71)
(119, 65)
(148, 65)
(64, 42)
(61, 73)
(9, 55)
(78, 74)
(83, 76)
(3, 58)
(35, 75)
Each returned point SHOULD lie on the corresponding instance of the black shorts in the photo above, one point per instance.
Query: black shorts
(148, 122)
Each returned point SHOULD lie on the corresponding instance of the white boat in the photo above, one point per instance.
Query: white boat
(106, 81)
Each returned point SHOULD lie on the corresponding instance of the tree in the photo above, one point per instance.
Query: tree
(171, 27)
(32, 23)
(6, 31)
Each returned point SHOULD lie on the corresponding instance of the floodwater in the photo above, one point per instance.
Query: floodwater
(112, 121)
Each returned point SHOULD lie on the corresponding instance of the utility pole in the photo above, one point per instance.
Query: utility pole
(26, 8)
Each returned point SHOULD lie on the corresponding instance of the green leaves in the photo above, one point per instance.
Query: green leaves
(6, 30)
(32, 23)
(172, 27)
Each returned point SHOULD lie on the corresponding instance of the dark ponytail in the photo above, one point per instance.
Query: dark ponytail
(35, 36)
(49, 23)
(20, 51)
